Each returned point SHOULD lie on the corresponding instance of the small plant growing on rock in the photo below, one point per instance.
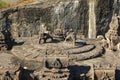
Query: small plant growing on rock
(3, 4)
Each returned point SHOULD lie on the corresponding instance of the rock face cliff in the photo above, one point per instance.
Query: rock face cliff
(25, 21)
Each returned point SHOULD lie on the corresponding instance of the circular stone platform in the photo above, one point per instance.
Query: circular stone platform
(31, 50)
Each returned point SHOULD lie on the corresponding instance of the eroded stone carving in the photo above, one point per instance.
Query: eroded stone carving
(112, 34)
(44, 34)
(3, 45)
(44, 37)
(100, 37)
(58, 65)
(71, 35)
(103, 41)
(59, 33)
(104, 72)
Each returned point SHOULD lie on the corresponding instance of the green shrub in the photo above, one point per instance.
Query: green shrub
(3, 4)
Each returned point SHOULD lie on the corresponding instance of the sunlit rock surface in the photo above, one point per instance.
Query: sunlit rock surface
(55, 14)
(58, 59)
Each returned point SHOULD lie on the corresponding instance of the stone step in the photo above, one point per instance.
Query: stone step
(34, 55)
(27, 54)
(18, 54)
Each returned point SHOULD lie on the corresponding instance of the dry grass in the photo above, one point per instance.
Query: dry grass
(21, 3)
(3, 4)
(45, 3)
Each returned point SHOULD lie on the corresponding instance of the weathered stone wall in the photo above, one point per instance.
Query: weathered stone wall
(104, 12)
(26, 20)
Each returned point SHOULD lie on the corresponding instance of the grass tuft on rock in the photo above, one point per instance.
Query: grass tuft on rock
(3, 4)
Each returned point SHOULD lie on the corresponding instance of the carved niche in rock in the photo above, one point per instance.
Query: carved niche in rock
(57, 64)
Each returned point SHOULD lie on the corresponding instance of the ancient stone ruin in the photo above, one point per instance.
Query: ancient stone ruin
(60, 40)
(106, 72)
(112, 34)
(3, 45)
